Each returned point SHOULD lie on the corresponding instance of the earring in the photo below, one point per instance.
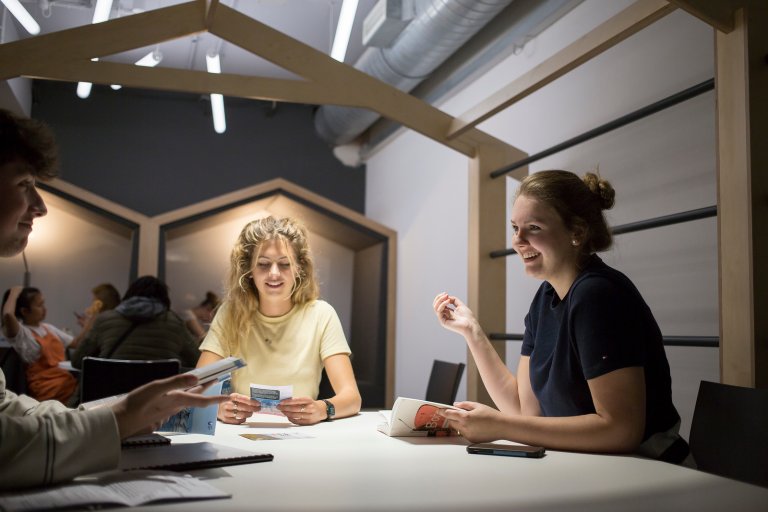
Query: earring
(574, 242)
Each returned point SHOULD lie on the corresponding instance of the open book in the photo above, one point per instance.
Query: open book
(413, 417)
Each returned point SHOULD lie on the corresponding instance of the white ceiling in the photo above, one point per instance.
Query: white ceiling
(311, 21)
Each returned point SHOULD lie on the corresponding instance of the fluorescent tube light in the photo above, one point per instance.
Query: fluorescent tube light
(213, 63)
(217, 108)
(84, 89)
(102, 10)
(151, 59)
(100, 13)
(344, 29)
(23, 16)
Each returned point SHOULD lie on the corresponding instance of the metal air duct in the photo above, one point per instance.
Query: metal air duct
(439, 29)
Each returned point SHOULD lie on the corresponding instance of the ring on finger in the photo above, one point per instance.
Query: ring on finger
(302, 409)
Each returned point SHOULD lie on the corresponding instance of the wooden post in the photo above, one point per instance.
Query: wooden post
(487, 287)
(741, 79)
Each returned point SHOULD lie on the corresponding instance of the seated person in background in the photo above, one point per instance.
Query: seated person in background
(593, 375)
(141, 327)
(40, 345)
(273, 319)
(42, 443)
(105, 298)
(198, 319)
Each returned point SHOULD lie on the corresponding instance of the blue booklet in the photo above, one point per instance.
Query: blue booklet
(195, 420)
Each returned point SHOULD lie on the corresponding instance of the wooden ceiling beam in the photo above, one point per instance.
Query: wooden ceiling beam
(66, 55)
(198, 82)
(718, 13)
(209, 10)
(359, 87)
(100, 39)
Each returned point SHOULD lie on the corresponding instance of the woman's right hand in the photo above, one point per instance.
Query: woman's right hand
(454, 315)
(237, 409)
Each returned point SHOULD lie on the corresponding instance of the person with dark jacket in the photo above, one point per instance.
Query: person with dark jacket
(142, 327)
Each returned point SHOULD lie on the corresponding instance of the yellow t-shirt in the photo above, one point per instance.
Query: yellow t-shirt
(284, 350)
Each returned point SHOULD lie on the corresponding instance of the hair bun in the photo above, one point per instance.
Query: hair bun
(601, 188)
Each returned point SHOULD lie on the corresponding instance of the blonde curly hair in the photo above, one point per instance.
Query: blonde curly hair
(242, 296)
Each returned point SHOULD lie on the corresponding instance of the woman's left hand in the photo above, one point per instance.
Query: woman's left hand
(303, 410)
(476, 422)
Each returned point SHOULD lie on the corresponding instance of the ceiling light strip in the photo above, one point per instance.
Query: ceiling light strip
(100, 13)
(213, 64)
(344, 29)
(23, 16)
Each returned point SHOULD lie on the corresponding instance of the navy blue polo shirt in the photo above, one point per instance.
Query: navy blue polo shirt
(603, 324)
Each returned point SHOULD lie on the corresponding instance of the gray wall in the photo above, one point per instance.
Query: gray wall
(154, 151)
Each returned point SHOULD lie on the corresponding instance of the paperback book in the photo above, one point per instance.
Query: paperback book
(411, 417)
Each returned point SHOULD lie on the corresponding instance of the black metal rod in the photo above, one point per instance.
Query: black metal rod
(658, 106)
(665, 220)
(505, 336)
(692, 341)
(502, 253)
(669, 341)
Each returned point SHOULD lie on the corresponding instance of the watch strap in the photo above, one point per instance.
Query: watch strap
(330, 409)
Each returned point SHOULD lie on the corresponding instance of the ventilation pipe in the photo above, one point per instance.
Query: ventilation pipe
(439, 29)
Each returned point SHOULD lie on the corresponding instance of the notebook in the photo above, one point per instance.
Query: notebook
(152, 439)
(186, 456)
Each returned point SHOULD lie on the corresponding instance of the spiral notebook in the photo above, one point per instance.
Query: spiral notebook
(186, 456)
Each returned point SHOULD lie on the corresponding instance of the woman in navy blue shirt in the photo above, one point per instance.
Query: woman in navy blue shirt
(593, 375)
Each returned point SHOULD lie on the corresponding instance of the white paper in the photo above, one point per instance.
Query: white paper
(129, 488)
(270, 397)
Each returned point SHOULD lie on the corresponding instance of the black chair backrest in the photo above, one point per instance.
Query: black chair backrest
(15, 371)
(106, 377)
(444, 382)
(729, 432)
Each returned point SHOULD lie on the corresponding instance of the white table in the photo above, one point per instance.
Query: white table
(348, 466)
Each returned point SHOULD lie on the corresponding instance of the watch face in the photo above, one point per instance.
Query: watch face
(329, 409)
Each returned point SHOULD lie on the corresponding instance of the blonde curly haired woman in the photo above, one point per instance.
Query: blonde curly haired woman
(273, 319)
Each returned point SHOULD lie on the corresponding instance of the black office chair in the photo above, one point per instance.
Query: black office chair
(106, 377)
(15, 371)
(444, 382)
(729, 432)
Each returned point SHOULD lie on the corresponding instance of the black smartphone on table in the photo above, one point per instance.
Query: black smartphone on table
(509, 450)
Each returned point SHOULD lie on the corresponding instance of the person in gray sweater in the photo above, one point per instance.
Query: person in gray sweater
(141, 327)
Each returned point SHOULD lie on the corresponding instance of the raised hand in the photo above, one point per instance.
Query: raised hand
(454, 314)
